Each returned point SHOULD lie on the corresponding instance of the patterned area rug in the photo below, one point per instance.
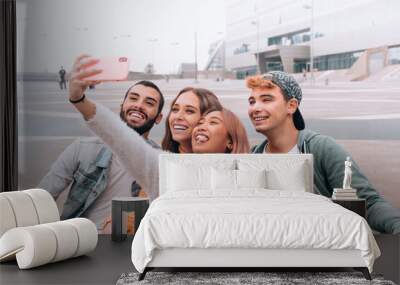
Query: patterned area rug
(229, 278)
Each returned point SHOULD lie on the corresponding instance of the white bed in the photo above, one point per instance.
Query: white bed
(247, 211)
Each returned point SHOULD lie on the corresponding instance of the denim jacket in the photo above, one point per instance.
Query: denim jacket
(84, 167)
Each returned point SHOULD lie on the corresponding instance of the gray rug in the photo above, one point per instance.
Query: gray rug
(229, 278)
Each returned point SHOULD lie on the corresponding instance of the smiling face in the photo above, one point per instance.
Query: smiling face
(211, 134)
(140, 108)
(268, 108)
(184, 116)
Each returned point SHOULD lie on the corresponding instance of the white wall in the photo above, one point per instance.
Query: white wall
(373, 25)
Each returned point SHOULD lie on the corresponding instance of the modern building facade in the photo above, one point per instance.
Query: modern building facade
(277, 35)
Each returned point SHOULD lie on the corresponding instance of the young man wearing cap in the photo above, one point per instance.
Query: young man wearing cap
(273, 110)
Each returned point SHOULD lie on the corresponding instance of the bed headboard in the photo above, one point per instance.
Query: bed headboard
(282, 165)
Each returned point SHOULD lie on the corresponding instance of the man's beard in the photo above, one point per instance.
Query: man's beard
(143, 128)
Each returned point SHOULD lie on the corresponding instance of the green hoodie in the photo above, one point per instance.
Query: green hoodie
(329, 160)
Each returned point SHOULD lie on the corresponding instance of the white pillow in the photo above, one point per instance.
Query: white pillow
(251, 178)
(223, 179)
(292, 179)
(183, 177)
(187, 174)
(281, 174)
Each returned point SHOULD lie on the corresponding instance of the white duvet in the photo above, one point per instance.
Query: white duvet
(250, 219)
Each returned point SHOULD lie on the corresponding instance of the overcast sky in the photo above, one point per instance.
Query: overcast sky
(53, 32)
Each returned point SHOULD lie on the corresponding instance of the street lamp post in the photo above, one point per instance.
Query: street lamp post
(195, 56)
(153, 41)
(257, 23)
(311, 7)
(312, 42)
(173, 44)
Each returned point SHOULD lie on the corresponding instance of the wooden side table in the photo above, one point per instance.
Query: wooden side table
(356, 205)
(138, 205)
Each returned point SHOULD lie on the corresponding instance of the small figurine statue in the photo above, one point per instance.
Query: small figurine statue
(347, 174)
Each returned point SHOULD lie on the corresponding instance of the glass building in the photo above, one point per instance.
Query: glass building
(284, 35)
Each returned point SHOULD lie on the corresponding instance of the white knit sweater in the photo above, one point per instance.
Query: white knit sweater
(138, 157)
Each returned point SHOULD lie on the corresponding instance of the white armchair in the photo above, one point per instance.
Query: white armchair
(31, 230)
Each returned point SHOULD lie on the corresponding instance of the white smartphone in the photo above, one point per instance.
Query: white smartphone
(113, 69)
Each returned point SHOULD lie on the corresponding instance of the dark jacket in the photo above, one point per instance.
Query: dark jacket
(329, 159)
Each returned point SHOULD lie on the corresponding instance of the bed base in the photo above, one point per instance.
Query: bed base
(363, 270)
(243, 260)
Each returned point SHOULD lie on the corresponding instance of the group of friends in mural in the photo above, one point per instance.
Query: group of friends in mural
(123, 161)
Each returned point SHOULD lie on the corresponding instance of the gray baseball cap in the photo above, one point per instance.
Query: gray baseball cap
(290, 89)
